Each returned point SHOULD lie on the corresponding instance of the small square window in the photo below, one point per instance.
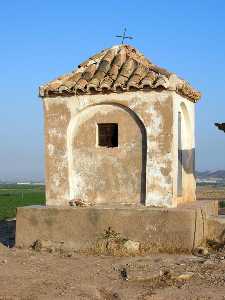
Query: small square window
(108, 135)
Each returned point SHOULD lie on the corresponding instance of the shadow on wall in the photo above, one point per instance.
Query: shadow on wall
(144, 162)
(7, 232)
(187, 160)
(144, 145)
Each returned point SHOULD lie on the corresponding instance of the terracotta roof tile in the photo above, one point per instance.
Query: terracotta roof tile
(120, 68)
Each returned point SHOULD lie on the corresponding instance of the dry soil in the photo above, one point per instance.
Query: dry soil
(28, 274)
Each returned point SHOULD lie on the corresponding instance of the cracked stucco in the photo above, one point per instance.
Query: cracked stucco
(68, 162)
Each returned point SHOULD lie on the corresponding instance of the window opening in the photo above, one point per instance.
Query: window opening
(108, 135)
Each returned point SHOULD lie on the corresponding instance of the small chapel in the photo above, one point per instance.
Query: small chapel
(120, 162)
(119, 130)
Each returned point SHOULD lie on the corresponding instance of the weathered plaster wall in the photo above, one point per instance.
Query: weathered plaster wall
(154, 109)
(187, 110)
(57, 117)
(101, 174)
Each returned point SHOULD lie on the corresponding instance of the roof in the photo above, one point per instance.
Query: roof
(220, 126)
(120, 68)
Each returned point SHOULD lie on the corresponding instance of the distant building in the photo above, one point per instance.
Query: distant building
(207, 181)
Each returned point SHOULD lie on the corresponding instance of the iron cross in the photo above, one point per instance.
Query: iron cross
(124, 36)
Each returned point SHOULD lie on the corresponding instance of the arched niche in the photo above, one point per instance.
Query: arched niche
(186, 152)
(103, 174)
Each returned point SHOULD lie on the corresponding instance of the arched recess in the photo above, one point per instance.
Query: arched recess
(186, 152)
(103, 174)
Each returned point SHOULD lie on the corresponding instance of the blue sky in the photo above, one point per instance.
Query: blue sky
(40, 40)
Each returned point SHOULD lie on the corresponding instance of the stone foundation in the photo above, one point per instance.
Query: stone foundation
(156, 229)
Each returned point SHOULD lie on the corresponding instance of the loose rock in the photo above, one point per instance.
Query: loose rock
(131, 246)
(201, 251)
(79, 203)
(186, 276)
(4, 261)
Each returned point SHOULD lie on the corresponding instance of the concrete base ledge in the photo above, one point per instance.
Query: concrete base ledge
(156, 229)
(216, 228)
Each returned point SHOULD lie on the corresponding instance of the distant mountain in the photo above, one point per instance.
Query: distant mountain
(211, 174)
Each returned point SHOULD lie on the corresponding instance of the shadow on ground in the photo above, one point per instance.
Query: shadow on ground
(7, 232)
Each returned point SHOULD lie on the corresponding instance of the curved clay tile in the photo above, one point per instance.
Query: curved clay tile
(69, 83)
(89, 72)
(106, 83)
(54, 86)
(137, 76)
(93, 59)
(189, 92)
(128, 68)
(118, 69)
(117, 63)
(159, 70)
(162, 81)
(149, 79)
(109, 56)
(81, 85)
(124, 74)
(93, 85)
(134, 81)
(141, 70)
(104, 66)
(120, 58)
(120, 83)
(63, 88)
(114, 71)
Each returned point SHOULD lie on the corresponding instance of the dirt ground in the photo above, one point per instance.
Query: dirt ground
(30, 275)
(27, 274)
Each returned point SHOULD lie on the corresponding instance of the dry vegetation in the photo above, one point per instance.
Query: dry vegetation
(210, 192)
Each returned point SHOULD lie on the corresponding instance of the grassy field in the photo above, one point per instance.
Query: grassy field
(13, 196)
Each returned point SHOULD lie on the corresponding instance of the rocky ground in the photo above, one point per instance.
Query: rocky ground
(29, 274)
(33, 274)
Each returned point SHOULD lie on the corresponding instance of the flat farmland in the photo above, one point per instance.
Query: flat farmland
(13, 196)
(211, 192)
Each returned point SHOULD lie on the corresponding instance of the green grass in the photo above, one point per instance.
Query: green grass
(13, 196)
